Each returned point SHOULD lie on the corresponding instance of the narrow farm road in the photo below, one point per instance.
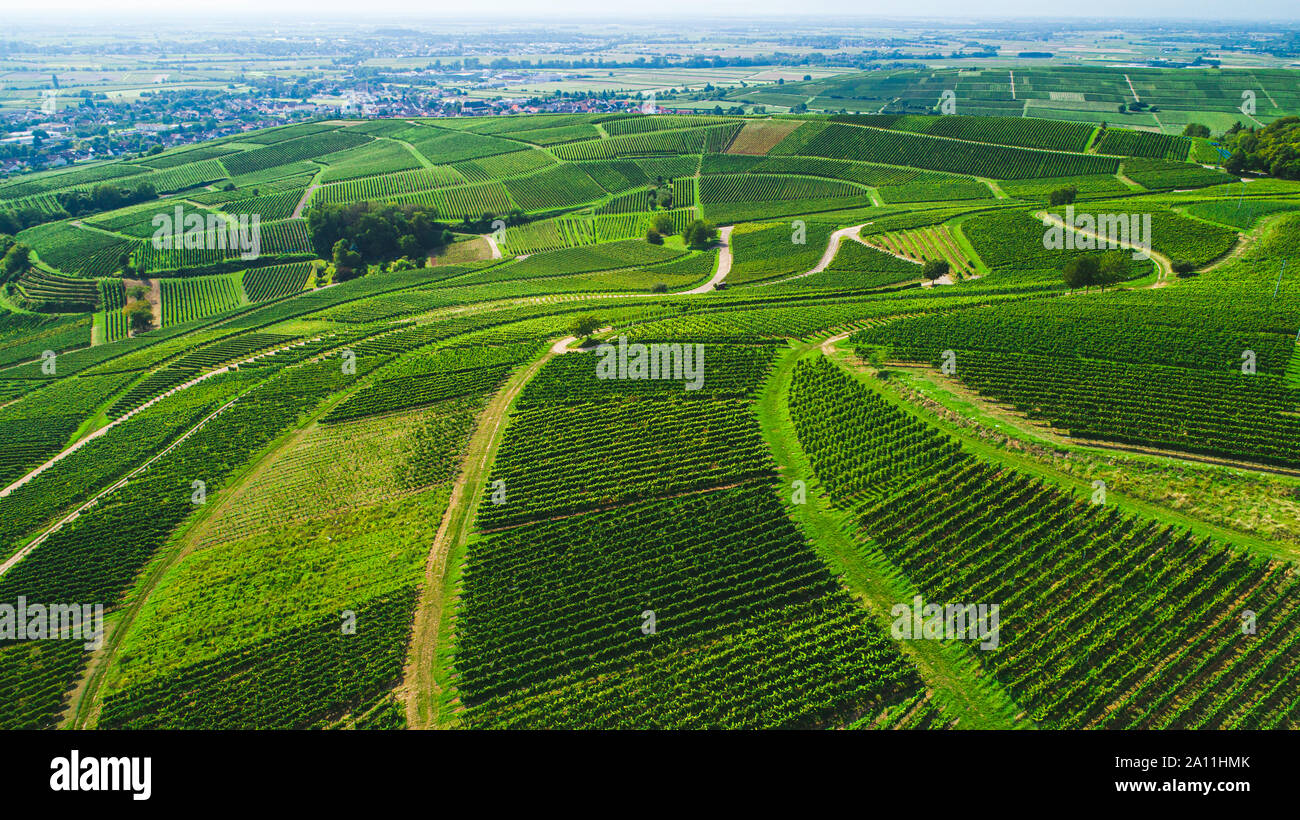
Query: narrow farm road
(1136, 98)
(828, 256)
(302, 203)
(422, 687)
(724, 263)
(828, 345)
(492, 243)
(1163, 263)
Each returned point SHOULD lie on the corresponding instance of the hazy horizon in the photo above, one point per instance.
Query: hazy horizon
(593, 11)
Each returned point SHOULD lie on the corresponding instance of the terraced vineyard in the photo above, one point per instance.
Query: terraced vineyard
(925, 245)
(616, 420)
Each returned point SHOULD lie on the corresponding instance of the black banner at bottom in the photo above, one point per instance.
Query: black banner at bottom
(301, 770)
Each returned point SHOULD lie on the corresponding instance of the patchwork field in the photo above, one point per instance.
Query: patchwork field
(621, 420)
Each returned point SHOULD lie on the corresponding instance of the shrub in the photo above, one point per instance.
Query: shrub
(1063, 196)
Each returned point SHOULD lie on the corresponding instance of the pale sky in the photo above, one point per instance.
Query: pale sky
(664, 11)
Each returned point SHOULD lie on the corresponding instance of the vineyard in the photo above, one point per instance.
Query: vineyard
(289, 151)
(1143, 144)
(725, 554)
(184, 300)
(925, 245)
(712, 138)
(838, 141)
(50, 293)
(1047, 134)
(113, 296)
(748, 187)
(388, 186)
(539, 461)
(1081, 584)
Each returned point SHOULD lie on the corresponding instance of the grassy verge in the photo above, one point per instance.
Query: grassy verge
(431, 688)
(1130, 493)
(965, 695)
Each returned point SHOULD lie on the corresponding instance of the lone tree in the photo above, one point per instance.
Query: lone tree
(584, 326)
(1063, 196)
(1082, 272)
(140, 315)
(935, 268)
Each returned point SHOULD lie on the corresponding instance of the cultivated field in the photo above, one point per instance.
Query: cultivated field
(367, 477)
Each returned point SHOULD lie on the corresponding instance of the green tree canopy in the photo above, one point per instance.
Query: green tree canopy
(935, 269)
(140, 315)
(376, 231)
(700, 234)
(584, 326)
(1082, 272)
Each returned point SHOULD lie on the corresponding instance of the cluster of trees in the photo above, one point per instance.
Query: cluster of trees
(19, 218)
(15, 258)
(1274, 149)
(139, 313)
(355, 234)
(1099, 269)
(103, 197)
(700, 234)
(659, 194)
(1196, 129)
(484, 222)
(661, 225)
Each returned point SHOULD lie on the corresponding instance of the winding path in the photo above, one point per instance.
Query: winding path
(828, 256)
(1163, 262)
(724, 263)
